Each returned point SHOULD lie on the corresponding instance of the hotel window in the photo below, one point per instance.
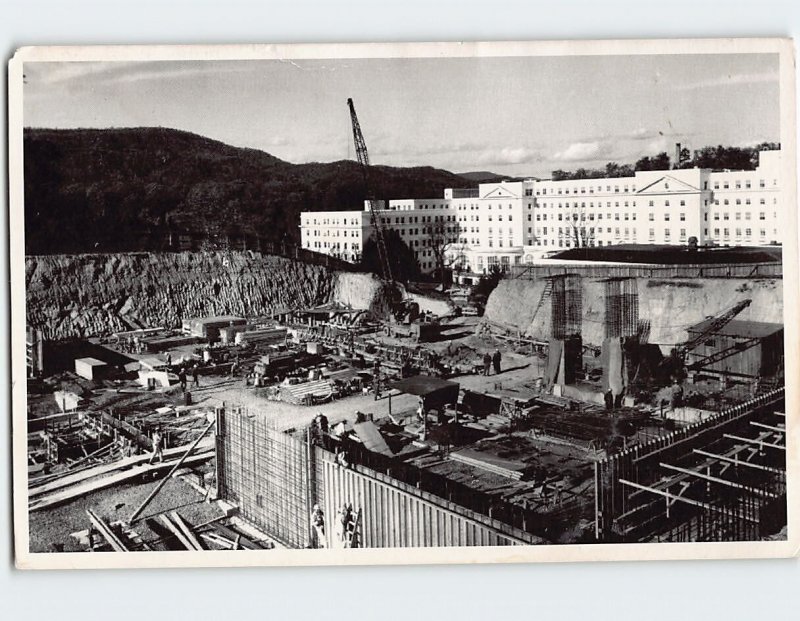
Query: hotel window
(652, 233)
(748, 232)
(683, 234)
(716, 185)
(747, 215)
(762, 216)
(747, 184)
(763, 232)
(738, 215)
(651, 216)
(716, 232)
(683, 203)
(683, 217)
(725, 185)
(716, 215)
(666, 234)
(738, 232)
(726, 232)
(747, 201)
(651, 204)
(762, 201)
(725, 216)
(761, 183)
(666, 217)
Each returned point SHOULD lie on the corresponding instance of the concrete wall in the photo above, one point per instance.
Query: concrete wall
(671, 305)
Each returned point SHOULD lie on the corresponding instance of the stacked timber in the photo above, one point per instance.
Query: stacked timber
(494, 468)
(307, 392)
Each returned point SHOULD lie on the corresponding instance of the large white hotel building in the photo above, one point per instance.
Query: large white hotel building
(515, 222)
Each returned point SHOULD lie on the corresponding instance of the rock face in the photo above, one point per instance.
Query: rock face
(671, 305)
(88, 295)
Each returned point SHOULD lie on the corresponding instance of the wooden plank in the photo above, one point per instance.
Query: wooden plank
(92, 486)
(690, 501)
(769, 427)
(739, 462)
(231, 534)
(754, 441)
(721, 481)
(187, 530)
(176, 531)
(121, 464)
(106, 531)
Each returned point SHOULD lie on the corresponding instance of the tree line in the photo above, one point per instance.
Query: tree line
(715, 158)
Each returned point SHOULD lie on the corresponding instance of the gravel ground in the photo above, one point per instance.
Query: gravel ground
(51, 528)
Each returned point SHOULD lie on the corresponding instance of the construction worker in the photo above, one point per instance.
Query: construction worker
(195, 376)
(318, 526)
(169, 360)
(158, 446)
(487, 363)
(496, 361)
(342, 523)
(182, 378)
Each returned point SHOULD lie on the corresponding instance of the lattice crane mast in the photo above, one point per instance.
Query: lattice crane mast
(716, 324)
(363, 159)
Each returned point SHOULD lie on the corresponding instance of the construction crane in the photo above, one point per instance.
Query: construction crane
(363, 158)
(716, 324)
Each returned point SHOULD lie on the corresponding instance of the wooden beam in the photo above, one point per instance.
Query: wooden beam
(769, 427)
(106, 531)
(721, 481)
(88, 487)
(187, 530)
(163, 481)
(173, 528)
(739, 462)
(690, 501)
(754, 441)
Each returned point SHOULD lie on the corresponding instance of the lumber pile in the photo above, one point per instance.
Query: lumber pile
(494, 468)
(301, 394)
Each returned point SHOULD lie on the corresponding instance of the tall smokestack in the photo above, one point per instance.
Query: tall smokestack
(677, 155)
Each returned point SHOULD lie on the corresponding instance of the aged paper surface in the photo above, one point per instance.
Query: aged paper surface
(361, 499)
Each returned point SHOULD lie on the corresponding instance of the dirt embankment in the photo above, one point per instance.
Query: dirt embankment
(88, 295)
(671, 305)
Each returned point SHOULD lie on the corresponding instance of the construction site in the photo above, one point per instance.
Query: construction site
(238, 400)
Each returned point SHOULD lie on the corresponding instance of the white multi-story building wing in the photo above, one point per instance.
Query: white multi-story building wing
(513, 222)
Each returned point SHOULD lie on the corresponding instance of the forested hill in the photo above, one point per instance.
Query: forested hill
(93, 190)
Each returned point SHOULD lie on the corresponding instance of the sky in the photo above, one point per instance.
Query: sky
(515, 116)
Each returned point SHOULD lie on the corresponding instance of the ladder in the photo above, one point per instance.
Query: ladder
(352, 539)
(546, 293)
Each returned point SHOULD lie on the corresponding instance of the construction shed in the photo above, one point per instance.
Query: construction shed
(435, 392)
(209, 327)
(90, 368)
(746, 349)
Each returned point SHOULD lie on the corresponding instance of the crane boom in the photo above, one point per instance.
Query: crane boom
(717, 323)
(363, 158)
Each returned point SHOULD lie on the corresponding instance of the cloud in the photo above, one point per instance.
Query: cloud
(732, 80)
(507, 155)
(581, 152)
